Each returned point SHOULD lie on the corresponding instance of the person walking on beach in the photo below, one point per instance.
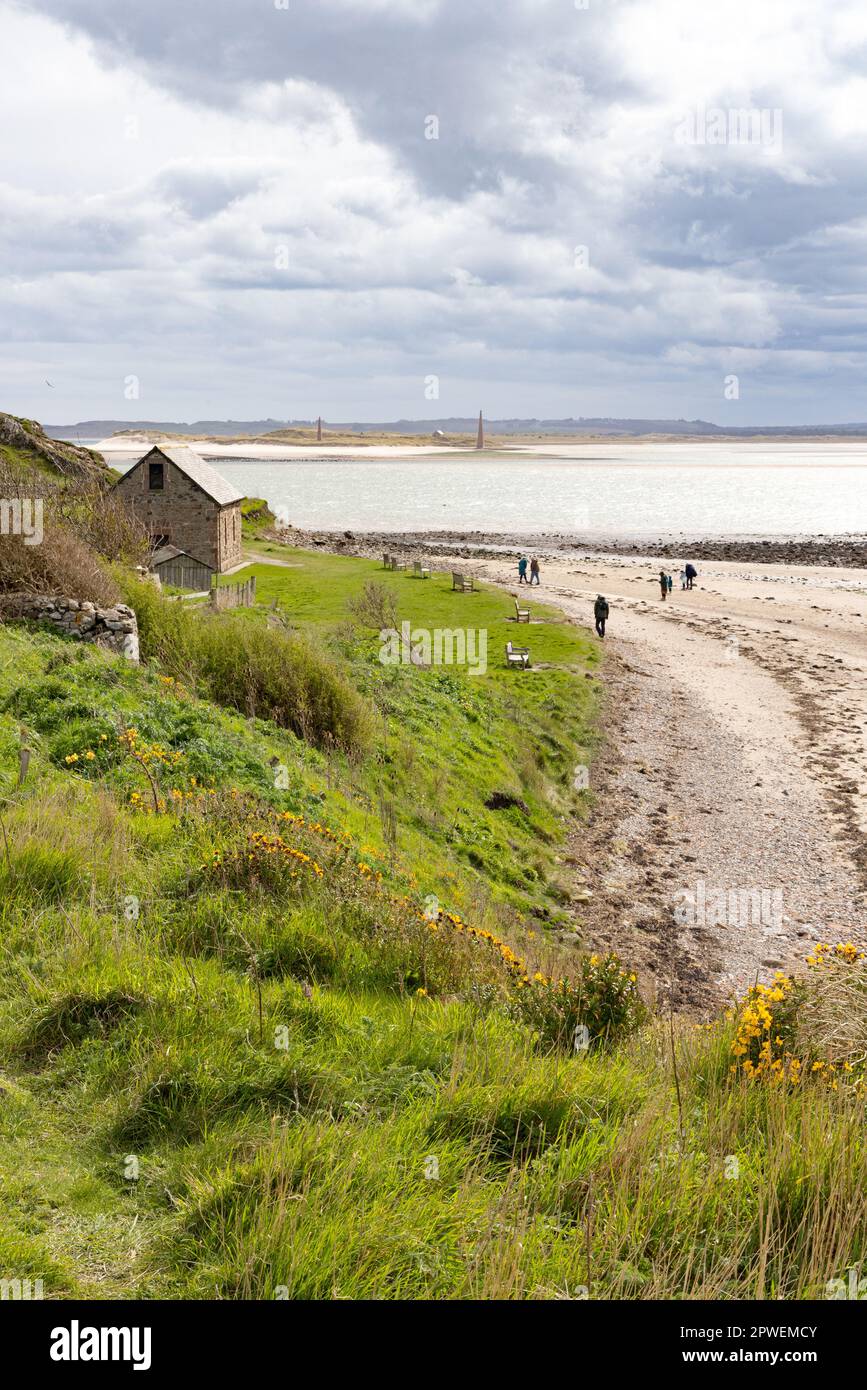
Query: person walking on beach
(522, 569)
(663, 584)
(534, 571)
(683, 579)
(691, 573)
(669, 583)
(600, 613)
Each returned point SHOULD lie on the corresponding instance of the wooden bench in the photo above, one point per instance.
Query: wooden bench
(517, 656)
(462, 582)
(522, 615)
(420, 571)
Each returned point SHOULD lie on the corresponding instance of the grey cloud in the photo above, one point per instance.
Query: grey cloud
(486, 70)
(202, 192)
(456, 254)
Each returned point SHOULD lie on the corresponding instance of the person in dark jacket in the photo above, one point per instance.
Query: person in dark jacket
(534, 571)
(691, 574)
(522, 569)
(600, 613)
(663, 583)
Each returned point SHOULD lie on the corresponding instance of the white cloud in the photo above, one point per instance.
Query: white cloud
(239, 205)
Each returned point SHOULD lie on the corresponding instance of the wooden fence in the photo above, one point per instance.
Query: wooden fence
(241, 595)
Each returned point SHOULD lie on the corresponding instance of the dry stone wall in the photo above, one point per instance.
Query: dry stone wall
(115, 628)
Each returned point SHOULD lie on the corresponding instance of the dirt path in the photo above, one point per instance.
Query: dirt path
(730, 821)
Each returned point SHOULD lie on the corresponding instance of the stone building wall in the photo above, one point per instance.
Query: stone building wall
(229, 536)
(185, 515)
(115, 628)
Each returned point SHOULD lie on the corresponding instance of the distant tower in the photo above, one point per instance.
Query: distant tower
(480, 437)
(319, 429)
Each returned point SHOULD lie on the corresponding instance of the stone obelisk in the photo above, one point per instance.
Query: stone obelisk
(319, 430)
(480, 437)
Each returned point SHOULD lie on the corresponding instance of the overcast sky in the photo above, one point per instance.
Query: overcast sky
(238, 209)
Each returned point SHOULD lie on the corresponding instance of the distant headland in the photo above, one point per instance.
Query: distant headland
(458, 431)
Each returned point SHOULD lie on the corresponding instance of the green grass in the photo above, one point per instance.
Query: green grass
(444, 742)
(235, 1078)
(315, 587)
(256, 517)
(24, 461)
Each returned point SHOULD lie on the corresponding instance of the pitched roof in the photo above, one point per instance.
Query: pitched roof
(171, 552)
(199, 472)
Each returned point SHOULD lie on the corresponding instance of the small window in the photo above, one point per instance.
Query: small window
(156, 477)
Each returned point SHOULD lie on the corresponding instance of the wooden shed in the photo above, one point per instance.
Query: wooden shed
(181, 570)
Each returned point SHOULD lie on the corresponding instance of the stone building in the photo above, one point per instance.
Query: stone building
(185, 503)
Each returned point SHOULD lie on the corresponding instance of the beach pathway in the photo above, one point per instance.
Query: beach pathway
(735, 764)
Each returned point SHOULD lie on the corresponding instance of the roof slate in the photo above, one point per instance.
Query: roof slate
(199, 472)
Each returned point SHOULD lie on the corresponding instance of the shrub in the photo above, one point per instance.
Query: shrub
(62, 564)
(83, 526)
(833, 1012)
(166, 630)
(766, 1029)
(104, 522)
(271, 675)
(264, 861)
(814, 1024)
(601, 997)
(375, 606)
(263, 672)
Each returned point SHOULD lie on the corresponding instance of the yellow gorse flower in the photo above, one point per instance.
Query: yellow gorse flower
(760, 1041)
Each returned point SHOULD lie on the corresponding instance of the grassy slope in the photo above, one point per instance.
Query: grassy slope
(385, 1143)
(449, 740)
(25, 462)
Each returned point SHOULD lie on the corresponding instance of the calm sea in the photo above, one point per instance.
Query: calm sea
(635, 490)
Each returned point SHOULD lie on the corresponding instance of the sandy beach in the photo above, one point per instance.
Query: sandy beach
(736, 758)
(123, 448)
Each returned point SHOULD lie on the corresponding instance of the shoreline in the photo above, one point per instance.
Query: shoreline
(734, 750)
(734, 758)
(459, 443)
(834, 552)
